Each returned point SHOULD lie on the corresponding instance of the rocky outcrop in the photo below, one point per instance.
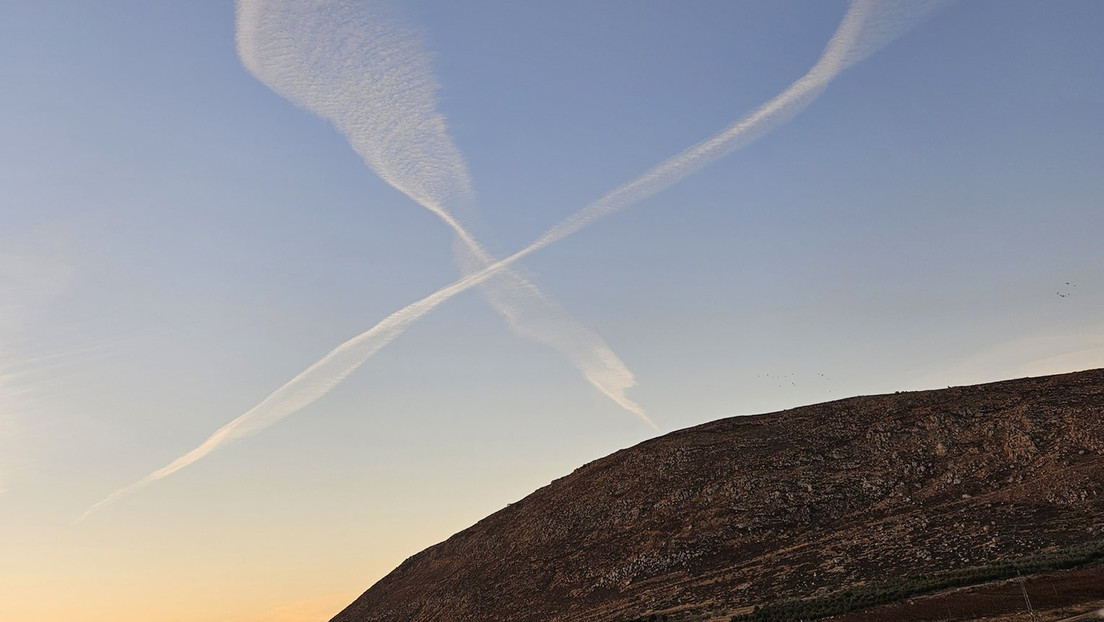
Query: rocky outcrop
(799, 503)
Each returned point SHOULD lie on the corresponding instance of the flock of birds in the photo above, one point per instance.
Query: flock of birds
(1068, 292)
(790, 379)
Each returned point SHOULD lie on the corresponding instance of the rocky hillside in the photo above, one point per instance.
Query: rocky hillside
(713, 520)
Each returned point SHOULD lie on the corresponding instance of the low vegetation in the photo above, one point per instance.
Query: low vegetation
(864, 597)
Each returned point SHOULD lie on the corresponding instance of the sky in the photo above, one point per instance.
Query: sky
(185, 228)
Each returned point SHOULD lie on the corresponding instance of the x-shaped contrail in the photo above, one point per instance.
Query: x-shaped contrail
(867, 25)
(356, 65)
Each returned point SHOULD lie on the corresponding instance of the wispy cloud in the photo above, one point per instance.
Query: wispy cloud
(1040, 354)
(33, 272)
(866, 26)
(359, 66)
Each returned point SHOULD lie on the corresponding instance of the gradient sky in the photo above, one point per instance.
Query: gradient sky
(177, 241)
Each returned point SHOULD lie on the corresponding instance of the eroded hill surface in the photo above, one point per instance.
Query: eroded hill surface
(749, 510)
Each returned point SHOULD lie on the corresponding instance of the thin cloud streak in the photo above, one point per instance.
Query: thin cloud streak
(846, 47)
(356, 65)
(34, 271)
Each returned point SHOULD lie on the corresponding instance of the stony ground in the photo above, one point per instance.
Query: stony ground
(715, 519)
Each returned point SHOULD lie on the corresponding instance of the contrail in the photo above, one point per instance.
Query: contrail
(356, 65)
(879, 23)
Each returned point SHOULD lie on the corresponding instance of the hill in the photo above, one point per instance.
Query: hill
(834, 501)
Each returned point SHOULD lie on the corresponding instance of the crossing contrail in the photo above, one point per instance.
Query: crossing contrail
(356, 65)
(867, 25)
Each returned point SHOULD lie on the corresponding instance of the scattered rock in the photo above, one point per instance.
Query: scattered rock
(744, 511)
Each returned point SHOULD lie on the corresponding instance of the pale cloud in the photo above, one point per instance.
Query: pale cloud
(1040, 354)
(34, 271)
(1088, 357)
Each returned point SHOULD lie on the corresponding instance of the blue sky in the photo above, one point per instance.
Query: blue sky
(176, 241)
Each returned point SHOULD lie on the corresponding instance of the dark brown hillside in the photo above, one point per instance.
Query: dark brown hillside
(751, 510)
